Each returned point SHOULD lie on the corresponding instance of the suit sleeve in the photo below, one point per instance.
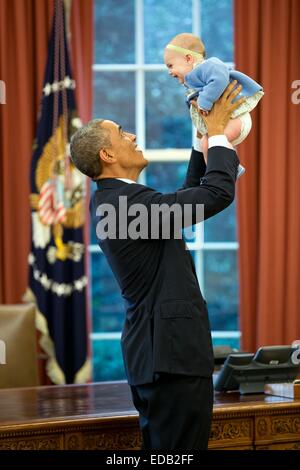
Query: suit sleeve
(213, 193)
(196, 169)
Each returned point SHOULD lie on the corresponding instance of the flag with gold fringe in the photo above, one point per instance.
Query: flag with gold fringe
(57, 280)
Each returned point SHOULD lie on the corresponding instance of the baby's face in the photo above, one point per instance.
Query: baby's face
(179, 65)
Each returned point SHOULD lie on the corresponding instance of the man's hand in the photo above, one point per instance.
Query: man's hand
(221, 111)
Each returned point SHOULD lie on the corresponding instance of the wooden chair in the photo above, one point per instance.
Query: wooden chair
(18, 346)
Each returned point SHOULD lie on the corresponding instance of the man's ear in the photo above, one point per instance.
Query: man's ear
(106, 156)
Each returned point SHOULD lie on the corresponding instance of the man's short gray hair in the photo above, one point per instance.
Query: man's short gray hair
(85, 146)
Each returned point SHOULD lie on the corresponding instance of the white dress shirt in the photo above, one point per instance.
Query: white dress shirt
(126, 180)
(214, 141)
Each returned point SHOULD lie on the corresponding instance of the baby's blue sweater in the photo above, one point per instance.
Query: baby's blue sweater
(212, 77)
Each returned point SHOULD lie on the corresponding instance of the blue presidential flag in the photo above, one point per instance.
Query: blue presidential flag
(57, 266)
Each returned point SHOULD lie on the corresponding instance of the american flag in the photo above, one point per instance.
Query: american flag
(57, 279)
(51, 210)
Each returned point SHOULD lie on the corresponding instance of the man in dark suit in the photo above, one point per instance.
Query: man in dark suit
(166, 341)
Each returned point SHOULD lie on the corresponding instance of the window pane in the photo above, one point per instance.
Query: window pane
(107, 360)
(166, 177)
(107, 304)
(234, 343)
(217, 28)
(163, 20)
(194, 257)
(168, 123)
(114, 98)
(221, 288)
(114, 32)
(222, 227)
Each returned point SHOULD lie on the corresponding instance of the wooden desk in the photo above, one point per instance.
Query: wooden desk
(101, 416)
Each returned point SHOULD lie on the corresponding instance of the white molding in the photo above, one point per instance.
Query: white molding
(139, 75)
(196, 17)
(117, 335)
(192, 246)
(94, 249)
(220, 246)
(128, 67)
(136, 67)
(105, 336)
(226, 334)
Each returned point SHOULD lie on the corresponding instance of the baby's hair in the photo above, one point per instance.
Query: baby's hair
(189, 41)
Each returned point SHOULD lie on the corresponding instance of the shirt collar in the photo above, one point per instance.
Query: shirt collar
(126, 180)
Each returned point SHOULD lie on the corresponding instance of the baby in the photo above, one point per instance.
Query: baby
(206, 80)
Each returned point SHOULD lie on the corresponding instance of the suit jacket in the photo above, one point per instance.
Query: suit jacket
(166, 327)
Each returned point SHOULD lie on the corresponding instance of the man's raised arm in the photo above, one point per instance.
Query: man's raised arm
(196, 167)
(215, 121)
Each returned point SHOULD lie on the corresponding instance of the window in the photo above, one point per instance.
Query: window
(132, 87)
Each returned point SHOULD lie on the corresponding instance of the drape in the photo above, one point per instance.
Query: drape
(24, 33)
(267, 38)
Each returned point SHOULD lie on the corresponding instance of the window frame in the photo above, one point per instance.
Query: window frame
(199, 246)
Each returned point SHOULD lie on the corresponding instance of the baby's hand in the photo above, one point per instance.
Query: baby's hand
(200, 110)
(195, 104)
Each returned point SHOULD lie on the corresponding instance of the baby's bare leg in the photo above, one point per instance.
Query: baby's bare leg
(204, 143)
(233, 129)
(232, 132)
